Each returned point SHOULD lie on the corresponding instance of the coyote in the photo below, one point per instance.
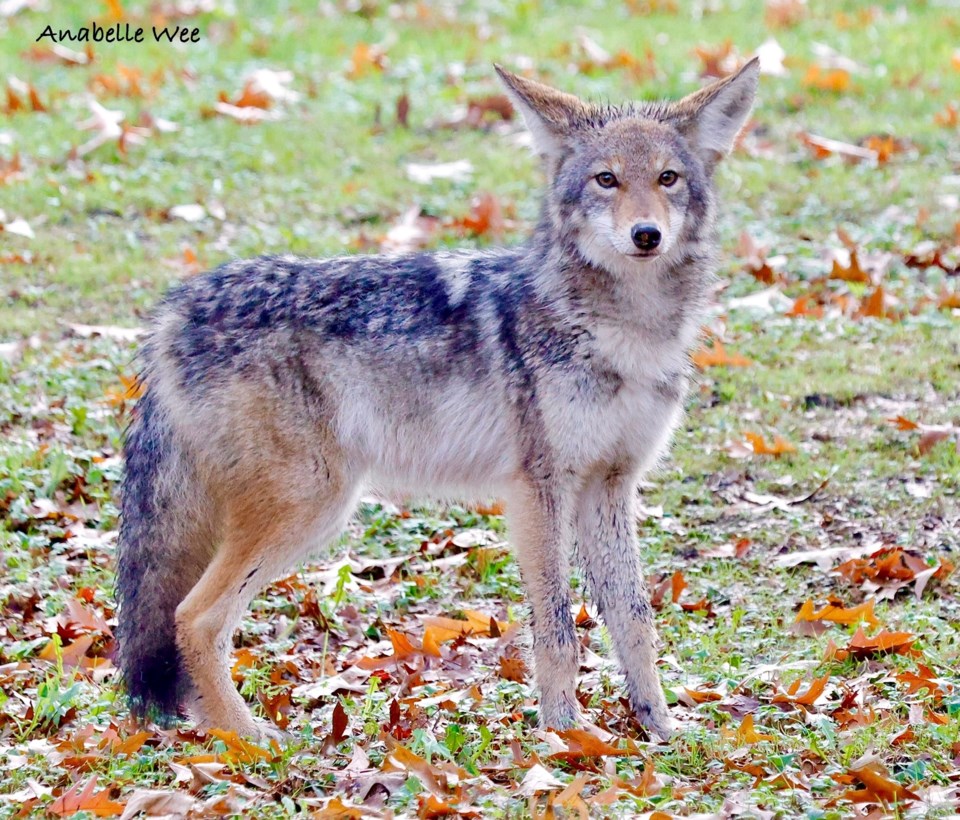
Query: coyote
(550, 375)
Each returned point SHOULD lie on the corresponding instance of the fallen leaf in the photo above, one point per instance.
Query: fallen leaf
(746, 733)
(823, 147)
(158, 803)
(456, 171)
(18, 226)
(851, 272)
(403, 649)
(949, 117)
(784, 13)
(806, 698)
(806, 306)
(485, 217)
(755, 444)
(839, 615)
(835, 80)
(717, 356)
(718, 61)
(904, 423)
(105, 122)
(538, 780)
(581, 743)
(239, 750)
(513, 669)
(879, 787)
(366, 59)
(85, 799)
(247, 115)
(883, 643)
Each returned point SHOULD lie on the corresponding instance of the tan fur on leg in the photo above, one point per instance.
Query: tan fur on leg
(262, 539)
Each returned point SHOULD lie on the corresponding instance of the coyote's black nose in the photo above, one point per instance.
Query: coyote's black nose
(645, 237)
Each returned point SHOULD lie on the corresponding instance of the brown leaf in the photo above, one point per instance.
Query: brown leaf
(904, 423)
(717, 356)
(481, 110)
(340, 721)
(849, 273)
(513, 669)
(755, 259)
(718, 61)
(336, 809)
(403, 648)
(932, 437)
(784, 13)
(366, 59)
(823, 147)
(883, 643)
(877, 305)
(72, 655)
(581, 743)
(836, 80)
(677, 585)
(923, 679)
(839, 615)
(949, 117)
(240, 750)
(884, 146)
(77, 799)
(57, 53)
(485, 217)
(947, 300)
(398, 756)
(82, 618)
(759, 446)
(403, 110)
(746, 733)
(702, 696)
(584, 619)
(879, 786)
(277, 707)
(808, 697)
(806, 306)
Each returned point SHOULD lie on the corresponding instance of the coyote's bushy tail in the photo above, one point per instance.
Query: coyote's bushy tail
(161, 555)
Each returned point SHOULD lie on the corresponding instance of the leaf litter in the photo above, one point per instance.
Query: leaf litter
(406, 669)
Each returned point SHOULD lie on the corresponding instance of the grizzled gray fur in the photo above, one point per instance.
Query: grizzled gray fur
(551, 375)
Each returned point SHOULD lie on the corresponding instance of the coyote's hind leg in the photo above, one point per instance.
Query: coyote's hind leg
(263, 537)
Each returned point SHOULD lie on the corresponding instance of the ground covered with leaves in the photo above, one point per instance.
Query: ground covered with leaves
(801, 539)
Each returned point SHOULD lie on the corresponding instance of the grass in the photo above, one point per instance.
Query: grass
(328, 177)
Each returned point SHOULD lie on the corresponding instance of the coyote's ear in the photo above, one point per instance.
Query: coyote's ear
(550, 115)
(712, 116)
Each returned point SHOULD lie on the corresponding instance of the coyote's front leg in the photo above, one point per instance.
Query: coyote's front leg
(609, 553)
(538, 524)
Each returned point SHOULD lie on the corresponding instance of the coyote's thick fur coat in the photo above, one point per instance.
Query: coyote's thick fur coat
(550, 375)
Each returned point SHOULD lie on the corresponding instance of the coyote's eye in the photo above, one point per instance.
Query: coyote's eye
(606, 180)
(668, 178)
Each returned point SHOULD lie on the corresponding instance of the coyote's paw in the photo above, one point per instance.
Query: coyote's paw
(561, 713)
(265, 732)
(656, 718)
(238, 720)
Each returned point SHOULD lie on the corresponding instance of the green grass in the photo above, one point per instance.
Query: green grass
(327, 178)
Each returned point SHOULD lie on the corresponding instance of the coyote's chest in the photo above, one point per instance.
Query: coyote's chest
(622, 404)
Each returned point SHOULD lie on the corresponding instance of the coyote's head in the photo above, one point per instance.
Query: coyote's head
(628, 184)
